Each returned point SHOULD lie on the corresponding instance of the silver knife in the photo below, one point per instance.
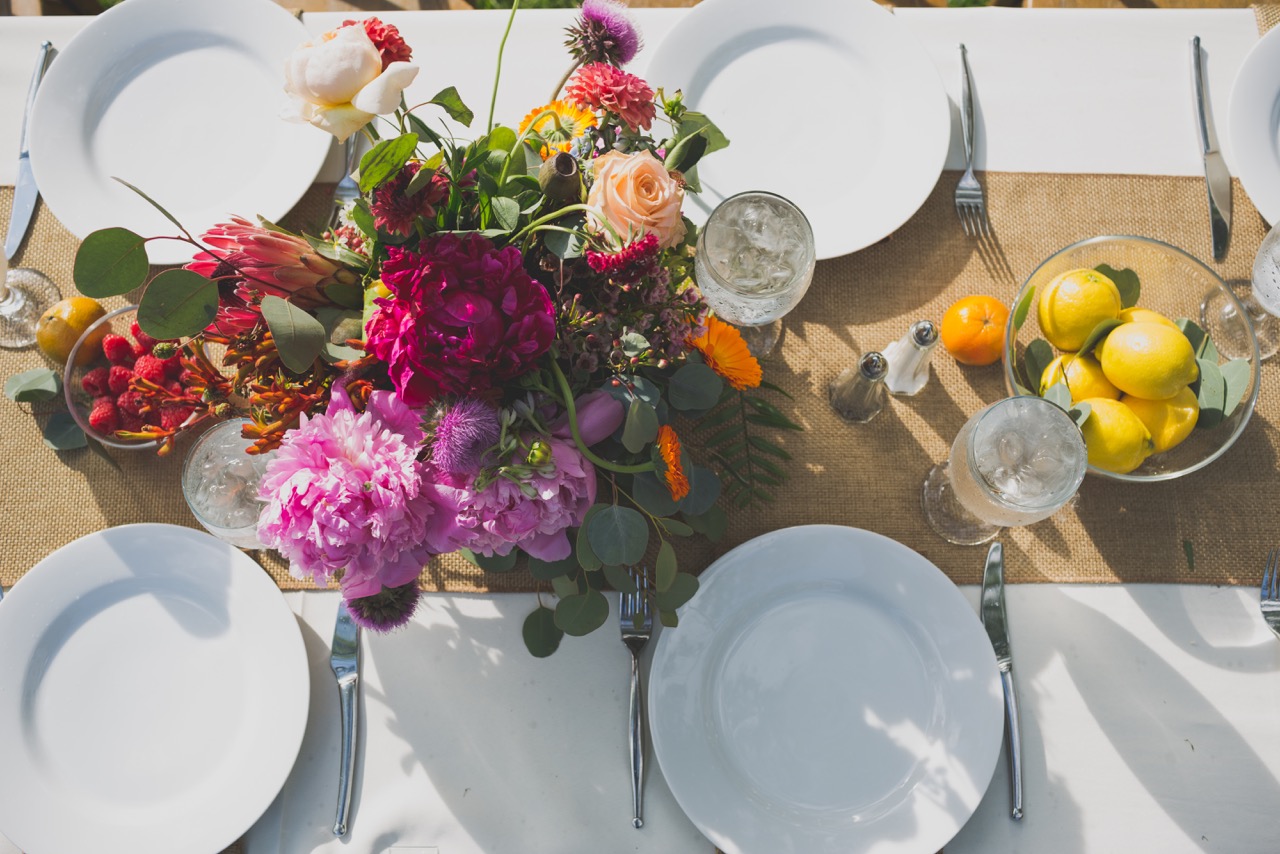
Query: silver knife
(25, 192)
(993, 618)
(344, 658)
(1216, 176)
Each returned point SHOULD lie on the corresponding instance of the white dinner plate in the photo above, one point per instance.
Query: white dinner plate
(827, 691)
(153, 695)
(1254, 120)
(182, 99)
(832, 104)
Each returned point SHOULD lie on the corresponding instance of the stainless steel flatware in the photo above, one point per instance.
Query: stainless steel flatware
(1270, 597)
(971, 204)
(636, 624)
(25, 192)
(1216, 177)
(993, 619)
(344, 658)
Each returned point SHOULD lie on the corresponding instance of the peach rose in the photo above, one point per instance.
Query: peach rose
(636, 195)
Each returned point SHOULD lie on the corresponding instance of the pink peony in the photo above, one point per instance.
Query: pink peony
(394, 211)
(346, 492)
(502, 517)
(604, 87)
(465, 317)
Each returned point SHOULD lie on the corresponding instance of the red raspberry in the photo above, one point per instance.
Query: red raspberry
(104, 417)
(131, 422)
(118, 350)
(173, 367)
(150, 368)
(186, 377)
(130, 402)
(95, 382)
(171, 417)
(145, 341)
(119, 379)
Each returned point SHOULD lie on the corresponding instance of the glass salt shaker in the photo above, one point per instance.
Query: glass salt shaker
(909, 358)
(858, 393)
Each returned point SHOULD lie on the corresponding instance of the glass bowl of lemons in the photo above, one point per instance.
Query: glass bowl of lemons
(1105, 329)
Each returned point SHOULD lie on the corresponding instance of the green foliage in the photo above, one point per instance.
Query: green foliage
(694, 386)
(1126, 282)
(177, 304)
(298, 336)
(1023, 307)
(33, 386)
(1095, 336)
(110, 262)
(541, 634)
(458, 111)
(582, 613)
(62, 433)
(750, 464)
(618, 535)
(385, 159)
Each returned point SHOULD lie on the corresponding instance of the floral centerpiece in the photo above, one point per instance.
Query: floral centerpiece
(499, 348)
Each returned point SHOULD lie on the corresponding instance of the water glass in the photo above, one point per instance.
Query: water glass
(1013, 463)
(754, 264)
(220, 483)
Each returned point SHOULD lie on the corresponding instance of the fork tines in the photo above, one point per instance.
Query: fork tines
(972, 209)
(1270, 595)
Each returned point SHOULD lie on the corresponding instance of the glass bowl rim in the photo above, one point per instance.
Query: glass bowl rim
(69, 387)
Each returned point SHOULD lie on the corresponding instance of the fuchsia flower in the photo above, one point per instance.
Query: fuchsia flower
(607, 88)
(629, 264)
(346, 492)
(465, 317)
(604, 33)
(394, 211)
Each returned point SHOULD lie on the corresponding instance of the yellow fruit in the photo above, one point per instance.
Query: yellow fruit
(1075, 302)
(1169, 421)
(61, 326)
(1116, 439)
(1083, 376)
(1145, 315)
(1148, 360)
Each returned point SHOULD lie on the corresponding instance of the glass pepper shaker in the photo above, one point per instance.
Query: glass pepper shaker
(909, 358)
(857, 395)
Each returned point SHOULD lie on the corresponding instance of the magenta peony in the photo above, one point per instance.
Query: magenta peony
(465, 317)
(346, 492)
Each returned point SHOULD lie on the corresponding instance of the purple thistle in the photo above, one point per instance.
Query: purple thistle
(463, 433)
(604, 33)
(387, 610)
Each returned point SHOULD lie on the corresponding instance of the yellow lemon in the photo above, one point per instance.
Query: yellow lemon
(1145, 315)
(1116, 439)
(62, 324)
(1083, 376)
(1073, 303)
(1169, 421)
(1148, 360)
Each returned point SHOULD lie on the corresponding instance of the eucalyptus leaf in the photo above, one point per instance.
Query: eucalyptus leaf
(1037, 357)
(452, 104)
(544, 570)
(1126, 282)
(497, 563)
(566, 244)
(566, 586)
(686, 153)
(1195, 334)
(62, 433)
(1236, 374)
(541, 634)
(110, 262)
(177, 304)
(33, 386)
(1210, 350)
(634, 344)
(1059, 394)
(1080, 413)
(1095, 336)
(693, 122)
(618, 535)
(682, 588)
(582, 613)
(1023, 307)
(704, 490)
(298, 336)
(665, 567)
(694, 386)
(641, 426)
(652, 494)
(587, 558)
(159, 207)
(711, 524)
(1212, 395)
(669, 619)
(506, 212)
(676, 528)
(619, 579)
(384, 160)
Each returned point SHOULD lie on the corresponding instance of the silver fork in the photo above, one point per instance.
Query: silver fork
(971, 205)
(1270, 598)
(636, 623)
(347, 190)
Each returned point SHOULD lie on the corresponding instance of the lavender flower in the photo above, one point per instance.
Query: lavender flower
(604, 33)
(390, 608)
(463, 433)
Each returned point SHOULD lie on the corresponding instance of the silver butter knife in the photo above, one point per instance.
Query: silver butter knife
(993, 618)
(1216, 176)
(25, 192)
(344, 658)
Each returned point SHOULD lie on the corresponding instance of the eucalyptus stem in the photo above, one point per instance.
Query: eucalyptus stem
(497, 75)
(563, 383)
(565, 79)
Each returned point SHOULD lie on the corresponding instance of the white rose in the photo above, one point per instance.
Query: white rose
(339, 84)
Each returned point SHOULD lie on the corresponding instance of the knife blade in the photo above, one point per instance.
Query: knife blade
(344, 659)
(25, 192)
(1217, 178)
(993, 619)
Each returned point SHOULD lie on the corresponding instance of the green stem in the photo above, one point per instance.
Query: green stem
(551, 217)
(497, 75)
(563, 383)
(506, 165)
(565, 79)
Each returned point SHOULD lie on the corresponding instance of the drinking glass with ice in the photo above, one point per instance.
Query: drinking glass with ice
(220, 483)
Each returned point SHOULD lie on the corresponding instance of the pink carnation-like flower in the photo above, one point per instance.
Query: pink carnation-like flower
(394, 211)
(465, 317)
(502, 517)
(600, 86)
(386, 38)
(346, 491)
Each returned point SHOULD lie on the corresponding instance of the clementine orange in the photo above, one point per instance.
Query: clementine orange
(973, 330)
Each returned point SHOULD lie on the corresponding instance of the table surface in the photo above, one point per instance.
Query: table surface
(1172, 741)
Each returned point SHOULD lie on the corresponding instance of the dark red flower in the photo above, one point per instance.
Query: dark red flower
(386, 38)
(394, 211)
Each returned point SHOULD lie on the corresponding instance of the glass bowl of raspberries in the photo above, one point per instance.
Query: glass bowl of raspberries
(130, 394)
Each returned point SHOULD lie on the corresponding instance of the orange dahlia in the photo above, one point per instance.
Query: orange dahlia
(673, 469)
(727, 354)
(559, 131)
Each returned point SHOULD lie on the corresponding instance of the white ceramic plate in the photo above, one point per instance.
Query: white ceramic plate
(153, 695)
(830, 103)
(182, 99)
(828, 690)
(1254, 121)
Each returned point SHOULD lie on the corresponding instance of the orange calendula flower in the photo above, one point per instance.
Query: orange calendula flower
(559, 131)
(727, 354)
(673, 473)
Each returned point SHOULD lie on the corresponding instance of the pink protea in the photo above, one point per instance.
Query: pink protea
(346, 492)
(604, 87)
(394, 210)
(465, 317)
(386, 38)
